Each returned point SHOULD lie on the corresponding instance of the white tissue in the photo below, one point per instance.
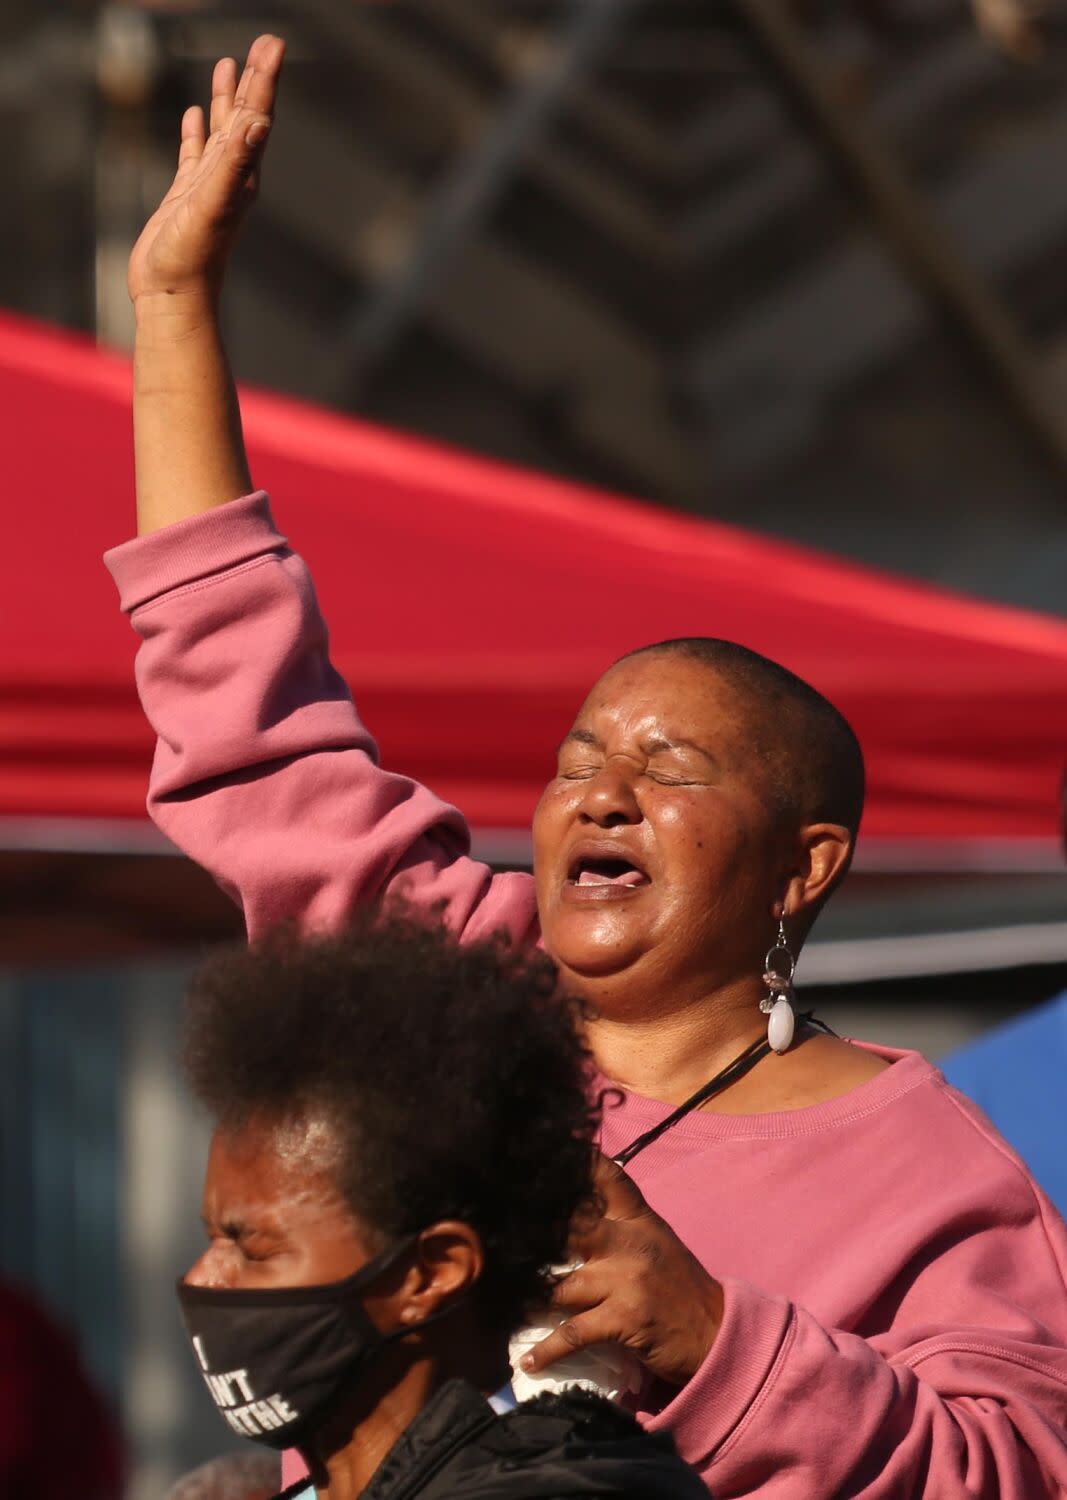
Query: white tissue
(608, 1369)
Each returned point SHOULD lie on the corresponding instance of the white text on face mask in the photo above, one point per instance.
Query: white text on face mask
(252, 1418)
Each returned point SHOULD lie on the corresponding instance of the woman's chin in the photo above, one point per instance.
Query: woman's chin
(587, 970)
(585, 957)
(602, 948)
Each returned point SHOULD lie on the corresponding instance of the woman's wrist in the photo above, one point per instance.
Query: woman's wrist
(163, 317)
(178, 347)
(187, 424)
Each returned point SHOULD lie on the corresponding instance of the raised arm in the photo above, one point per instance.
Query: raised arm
(263, 772)
(187, 426)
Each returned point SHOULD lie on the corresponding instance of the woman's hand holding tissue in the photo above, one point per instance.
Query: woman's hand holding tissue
(638, 1287)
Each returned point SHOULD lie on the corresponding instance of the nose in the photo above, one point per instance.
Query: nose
(199, 1273)
(610, 800)
(209, 1270)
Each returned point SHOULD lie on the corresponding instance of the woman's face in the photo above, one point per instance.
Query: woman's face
(657, 854)
(272, 1212)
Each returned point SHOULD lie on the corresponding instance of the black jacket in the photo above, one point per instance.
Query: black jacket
(569, 1447)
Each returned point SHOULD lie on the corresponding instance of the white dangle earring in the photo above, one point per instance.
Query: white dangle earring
(777, 1004)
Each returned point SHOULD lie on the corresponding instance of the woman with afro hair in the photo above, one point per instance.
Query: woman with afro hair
(403, 1136)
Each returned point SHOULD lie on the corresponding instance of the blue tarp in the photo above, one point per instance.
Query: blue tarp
(1017, 1074)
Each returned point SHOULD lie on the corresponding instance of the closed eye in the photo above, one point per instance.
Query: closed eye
(571, 768)
(251, 1244)
(674, 778)
(259, 1255)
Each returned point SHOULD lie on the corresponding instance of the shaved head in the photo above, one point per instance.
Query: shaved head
(701, 791)
(807, 747)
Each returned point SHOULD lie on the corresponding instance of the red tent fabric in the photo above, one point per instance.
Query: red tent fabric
(471, 607)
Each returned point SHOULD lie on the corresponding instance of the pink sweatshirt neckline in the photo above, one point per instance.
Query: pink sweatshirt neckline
(907, 1071)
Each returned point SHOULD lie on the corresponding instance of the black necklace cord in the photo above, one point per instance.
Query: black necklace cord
(730, 1074)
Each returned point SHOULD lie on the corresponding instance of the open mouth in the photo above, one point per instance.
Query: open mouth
(593, 870)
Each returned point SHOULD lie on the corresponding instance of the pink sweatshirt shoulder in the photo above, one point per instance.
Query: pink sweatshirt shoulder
(263, 772)
(927, 1357)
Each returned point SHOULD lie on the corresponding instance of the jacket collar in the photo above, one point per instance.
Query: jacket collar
(449, 1420)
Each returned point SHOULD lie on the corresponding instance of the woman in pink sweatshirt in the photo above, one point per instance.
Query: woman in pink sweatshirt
(838, 1279)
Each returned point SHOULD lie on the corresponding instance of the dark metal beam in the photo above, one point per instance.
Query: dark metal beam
(926, 251)
(470, 189)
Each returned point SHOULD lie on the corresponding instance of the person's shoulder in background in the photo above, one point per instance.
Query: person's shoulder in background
(46, 1394)
(1015, 1073)
(238, 1476)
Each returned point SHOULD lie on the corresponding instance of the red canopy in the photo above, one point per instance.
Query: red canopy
(472, 605)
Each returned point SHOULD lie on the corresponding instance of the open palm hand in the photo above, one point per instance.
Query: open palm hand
(185, 244)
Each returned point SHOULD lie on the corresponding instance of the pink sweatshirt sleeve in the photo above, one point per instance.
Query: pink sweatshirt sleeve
(263, 772)
(784, 1408)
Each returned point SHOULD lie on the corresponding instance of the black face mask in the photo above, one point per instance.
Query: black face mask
(274, 1360)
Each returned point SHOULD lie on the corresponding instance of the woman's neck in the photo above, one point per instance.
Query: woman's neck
(346, 1472)
(669, 1055)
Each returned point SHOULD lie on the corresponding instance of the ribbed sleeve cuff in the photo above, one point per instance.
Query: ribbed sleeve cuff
(733, 1378)
(149, 566)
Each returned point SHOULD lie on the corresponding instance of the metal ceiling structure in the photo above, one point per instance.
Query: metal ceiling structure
(784, 262)
(794, 265)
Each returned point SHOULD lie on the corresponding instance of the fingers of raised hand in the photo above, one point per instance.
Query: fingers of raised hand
(220, 176)
(241, 144)
(258, 84)
(241, 108)
(236, 103)
(223, 89)
(191, 148)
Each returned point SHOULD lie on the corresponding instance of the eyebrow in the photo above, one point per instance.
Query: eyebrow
(229, 1225)
(582, 737)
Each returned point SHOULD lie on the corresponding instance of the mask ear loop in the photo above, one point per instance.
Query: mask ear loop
(777, 1005)
(403, 1328)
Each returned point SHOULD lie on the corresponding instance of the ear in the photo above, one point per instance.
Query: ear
(824, 853)
(449, 1259)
